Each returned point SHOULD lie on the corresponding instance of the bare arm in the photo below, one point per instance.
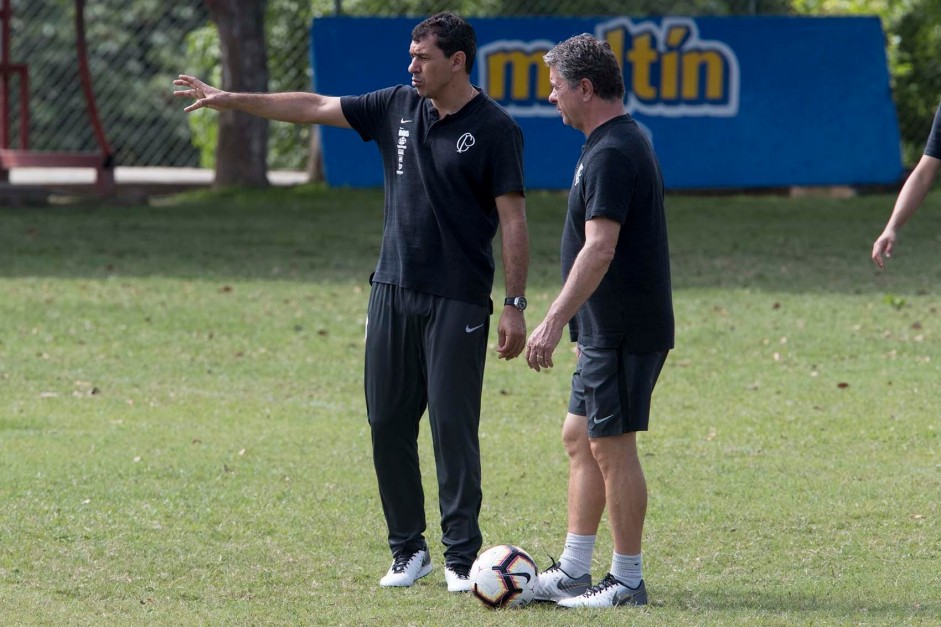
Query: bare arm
(591, 264)
(910, 198)
(515, 236)
(295, 107)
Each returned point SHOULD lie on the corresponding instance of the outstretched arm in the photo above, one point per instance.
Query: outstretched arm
(295, 107)
(910, 198)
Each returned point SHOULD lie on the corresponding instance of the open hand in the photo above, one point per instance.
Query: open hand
(205, 95)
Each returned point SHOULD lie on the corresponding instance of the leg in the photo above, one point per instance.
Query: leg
(586, 490)
(625, 489)
(455, 343)
(395, 401)
(626, 495)
(571, 576)
(621, 385)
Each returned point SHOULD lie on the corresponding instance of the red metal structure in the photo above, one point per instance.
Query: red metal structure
(21, 156)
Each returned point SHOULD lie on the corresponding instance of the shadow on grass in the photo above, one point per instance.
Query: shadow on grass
(310, 233)
(305, 233)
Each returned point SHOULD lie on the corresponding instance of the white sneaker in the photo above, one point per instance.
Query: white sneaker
(554, 584)
(609, 593)
(406, 569)
(457, 576)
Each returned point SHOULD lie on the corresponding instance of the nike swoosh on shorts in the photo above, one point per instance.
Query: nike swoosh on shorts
(598, 422)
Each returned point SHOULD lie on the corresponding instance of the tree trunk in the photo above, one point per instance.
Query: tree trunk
(242, 149)
(315, 172)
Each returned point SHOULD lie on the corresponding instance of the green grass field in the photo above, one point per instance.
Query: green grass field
(183, 437)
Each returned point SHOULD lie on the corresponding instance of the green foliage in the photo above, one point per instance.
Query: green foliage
(202, 53)
(183, 437)
(565, 7)
(895, 301)
(917, 84)
(286, 25)
(133, 54)
(143, 47)
(50, 52)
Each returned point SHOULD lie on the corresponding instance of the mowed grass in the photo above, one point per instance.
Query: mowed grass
(183, 437)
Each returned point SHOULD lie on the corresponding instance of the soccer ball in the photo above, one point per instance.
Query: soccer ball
(504, 576)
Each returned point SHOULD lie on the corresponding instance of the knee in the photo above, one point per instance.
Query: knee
(575, 438)
(385, 424)
(599, 452)
(614, 451)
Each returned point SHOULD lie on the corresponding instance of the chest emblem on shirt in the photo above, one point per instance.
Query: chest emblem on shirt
(578, 173)
(465, 142)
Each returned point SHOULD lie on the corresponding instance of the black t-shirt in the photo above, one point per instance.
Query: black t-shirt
(441, 179)
(933, 148)
(618, 177)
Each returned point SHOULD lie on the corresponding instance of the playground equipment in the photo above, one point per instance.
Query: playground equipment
(21, 156)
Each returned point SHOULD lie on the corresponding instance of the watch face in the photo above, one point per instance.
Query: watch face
(517, 301)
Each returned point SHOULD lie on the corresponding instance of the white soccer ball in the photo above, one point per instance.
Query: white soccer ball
(504, 576)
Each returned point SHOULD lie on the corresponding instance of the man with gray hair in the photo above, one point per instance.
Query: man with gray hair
(617, 301)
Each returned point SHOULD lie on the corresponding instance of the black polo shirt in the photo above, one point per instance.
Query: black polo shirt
(618, 177)
(441, 179)
(933, 148)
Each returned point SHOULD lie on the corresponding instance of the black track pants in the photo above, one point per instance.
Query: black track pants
(424, 351)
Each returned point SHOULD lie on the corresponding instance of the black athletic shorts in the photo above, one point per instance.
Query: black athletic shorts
(612, 387)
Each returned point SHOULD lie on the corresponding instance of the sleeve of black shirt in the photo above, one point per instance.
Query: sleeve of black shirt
(507, 163)
(365, 113)
(933, 148)
(610, 179)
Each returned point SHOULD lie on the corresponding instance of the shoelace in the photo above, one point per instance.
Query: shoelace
(462, 571)
(608, 582)
(555, 565)
(401, 562)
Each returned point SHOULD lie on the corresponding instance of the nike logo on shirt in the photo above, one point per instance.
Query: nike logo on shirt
(470, 329)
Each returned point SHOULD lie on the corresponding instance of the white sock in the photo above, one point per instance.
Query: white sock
(576, 556)
(628, 569)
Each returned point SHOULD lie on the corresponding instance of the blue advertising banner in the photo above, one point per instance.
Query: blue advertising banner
(743, 102)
